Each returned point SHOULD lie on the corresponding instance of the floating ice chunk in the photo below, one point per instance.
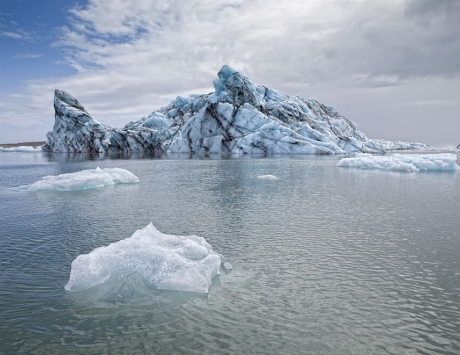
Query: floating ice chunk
(171, 262)
(82, 180)
(267, 177)
(403, 162)
(227, 266)
(22, 149)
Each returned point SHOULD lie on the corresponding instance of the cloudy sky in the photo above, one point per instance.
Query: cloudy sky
(391, 66)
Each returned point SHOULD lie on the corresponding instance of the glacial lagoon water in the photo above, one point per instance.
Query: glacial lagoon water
(326, 260)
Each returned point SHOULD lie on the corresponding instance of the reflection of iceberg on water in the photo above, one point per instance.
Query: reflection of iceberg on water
(170, 262)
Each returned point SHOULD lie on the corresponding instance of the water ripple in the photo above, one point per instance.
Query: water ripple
(326, 261)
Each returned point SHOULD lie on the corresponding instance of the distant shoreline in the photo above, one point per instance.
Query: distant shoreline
(27, 144)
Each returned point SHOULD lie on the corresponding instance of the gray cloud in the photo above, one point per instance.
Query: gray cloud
(363, 57)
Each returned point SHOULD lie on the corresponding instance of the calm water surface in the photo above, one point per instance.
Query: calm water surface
(326, 260)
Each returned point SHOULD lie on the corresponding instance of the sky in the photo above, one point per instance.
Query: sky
(390, 66)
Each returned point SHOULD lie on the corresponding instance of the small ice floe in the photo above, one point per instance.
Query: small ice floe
(267, 177)
(170, 262)
(226, 266)
(403, 162)
(82, 180)
(22, 149)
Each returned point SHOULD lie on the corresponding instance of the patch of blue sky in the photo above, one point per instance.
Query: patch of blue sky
(28, 29)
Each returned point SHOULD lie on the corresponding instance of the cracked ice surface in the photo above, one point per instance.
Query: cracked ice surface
(171, 262)
(403, 162)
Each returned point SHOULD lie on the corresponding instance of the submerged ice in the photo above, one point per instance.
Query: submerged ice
(171, 262)
(237, 118)
(403, 162)
(82, 180)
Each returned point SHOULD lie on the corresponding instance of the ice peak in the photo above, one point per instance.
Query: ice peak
(226, 71)
(241, 88)
(74, 129)
(65, 97)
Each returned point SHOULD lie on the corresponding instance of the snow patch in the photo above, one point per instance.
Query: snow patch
(82, 180)
(170, 262)
(403, 162)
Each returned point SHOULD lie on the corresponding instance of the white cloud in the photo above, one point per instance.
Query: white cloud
(13, 35)
(16, 32)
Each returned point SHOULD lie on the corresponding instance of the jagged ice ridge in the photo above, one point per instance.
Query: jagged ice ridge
(239, 117)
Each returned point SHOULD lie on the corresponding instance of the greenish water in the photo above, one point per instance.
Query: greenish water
(325, 260)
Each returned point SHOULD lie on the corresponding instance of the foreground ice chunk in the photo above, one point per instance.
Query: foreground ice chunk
(82, 180)
(171, 262)
(403, 162)
(22, 149)
(267, 177)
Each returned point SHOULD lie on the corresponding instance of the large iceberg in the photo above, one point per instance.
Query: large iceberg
(239, 117)
(403, 162)
(21, 149)
(170, 262)
(82, 180)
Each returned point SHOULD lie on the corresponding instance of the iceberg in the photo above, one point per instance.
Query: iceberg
(237, 118)
(170, 262)
(75, 131)
(267, 177)
(22, 149)
(82, 180)
(403, 162)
